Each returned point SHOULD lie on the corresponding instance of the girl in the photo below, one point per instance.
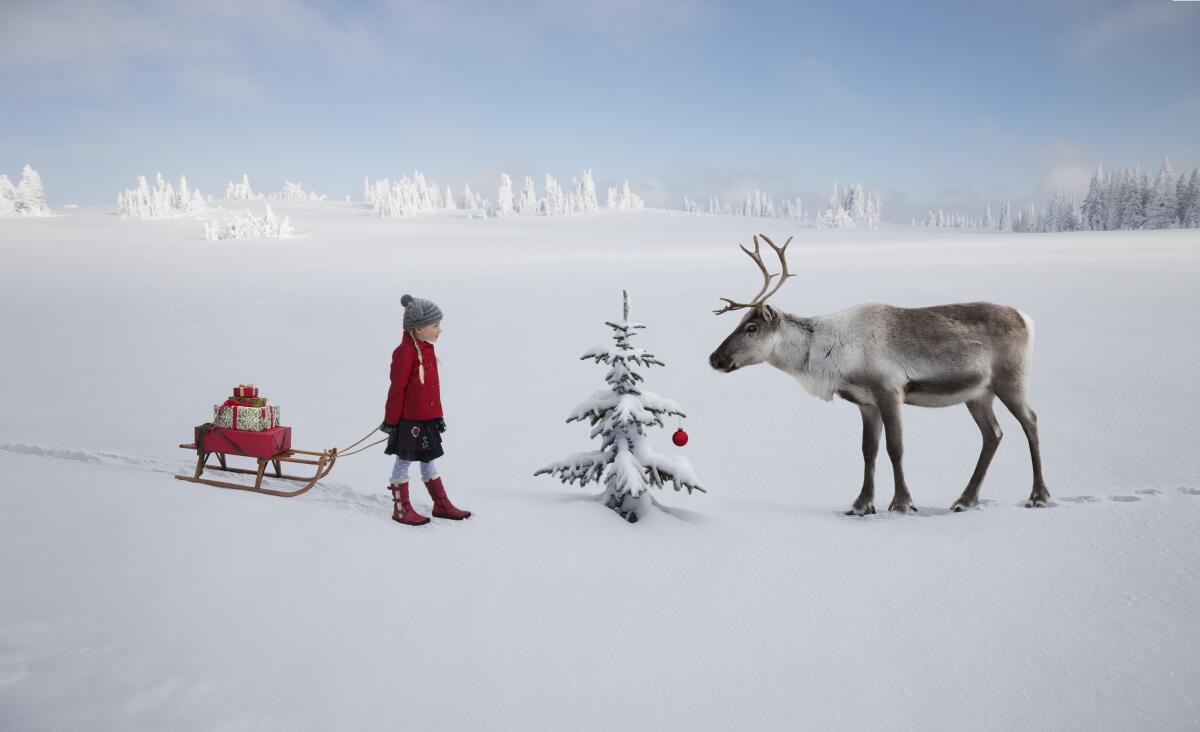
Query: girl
(413, 416)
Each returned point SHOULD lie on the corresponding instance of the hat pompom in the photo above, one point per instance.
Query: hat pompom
(404, 301)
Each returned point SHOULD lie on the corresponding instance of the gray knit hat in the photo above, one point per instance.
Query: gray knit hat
(418, 313)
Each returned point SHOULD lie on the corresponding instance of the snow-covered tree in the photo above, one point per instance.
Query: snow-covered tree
(407, 196)
(295, 192)
(1133, 210)
(31, 199)
(554, 203)
(1112, 201)
(623, 199)
(1094, 213)
(1191, 213)
(162, 201)
(987, 222)
(8, 197)
(791, 209)
(267, 226)
(504, 196)
(580, 198)
(1021, 224)
(850, 209)
(1181, 199)
(527, 204)
(835, 216)
(590, 201)
(1161, 208)
(625, 464)
(1029, 218)
(26, 198)
(1006, 220)
(241, 191)
(475, 202)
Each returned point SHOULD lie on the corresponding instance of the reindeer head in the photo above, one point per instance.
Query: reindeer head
(755, 337)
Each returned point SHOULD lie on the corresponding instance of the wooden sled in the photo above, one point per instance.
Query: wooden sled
(322, 460)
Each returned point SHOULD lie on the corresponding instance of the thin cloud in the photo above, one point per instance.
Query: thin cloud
(1119, 26)
(815, 78)
(627, 20)
(98, 45)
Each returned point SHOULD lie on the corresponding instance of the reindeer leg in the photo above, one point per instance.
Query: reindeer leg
(888, 403)
(981, 410)
(872, 426)
(1014, 399)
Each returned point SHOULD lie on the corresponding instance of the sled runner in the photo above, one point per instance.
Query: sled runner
(270, 447)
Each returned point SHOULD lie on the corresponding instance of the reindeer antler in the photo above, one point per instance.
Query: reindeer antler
(756, 255)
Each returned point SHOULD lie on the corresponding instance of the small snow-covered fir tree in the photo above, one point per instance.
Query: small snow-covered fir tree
(527, 204)
(30, 198)
(295, 192)
(160, 202)
(1161, 204)
(26, 198)
(267, 226)
(619, 415)
(8, 197)
(241, 191)
(504, 196)
(590, 202)
(407, 196)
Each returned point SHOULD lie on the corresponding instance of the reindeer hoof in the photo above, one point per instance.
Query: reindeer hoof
(1039, 498)
(962, 505)
(902, 506)
(857, 510)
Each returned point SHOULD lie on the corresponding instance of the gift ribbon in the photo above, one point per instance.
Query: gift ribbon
(264, 413)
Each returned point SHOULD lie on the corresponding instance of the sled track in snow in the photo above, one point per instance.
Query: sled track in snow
(326, 492)
(340, 495)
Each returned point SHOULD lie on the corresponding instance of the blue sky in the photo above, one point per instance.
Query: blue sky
(936, 104)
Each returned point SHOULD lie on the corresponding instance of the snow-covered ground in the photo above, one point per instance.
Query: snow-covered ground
(132, 601)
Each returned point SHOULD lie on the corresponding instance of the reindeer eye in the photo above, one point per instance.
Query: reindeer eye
(752, 328)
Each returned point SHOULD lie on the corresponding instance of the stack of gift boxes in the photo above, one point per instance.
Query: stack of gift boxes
(245, 424)
(246, 410)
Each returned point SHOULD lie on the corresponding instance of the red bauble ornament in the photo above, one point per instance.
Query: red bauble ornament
(680, 437)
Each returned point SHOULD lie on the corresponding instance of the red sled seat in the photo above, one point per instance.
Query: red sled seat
(265, 444)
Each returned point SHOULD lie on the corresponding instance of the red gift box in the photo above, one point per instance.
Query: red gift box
(265, 444)
(245, 390)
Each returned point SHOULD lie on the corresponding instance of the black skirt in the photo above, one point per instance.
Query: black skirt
(417, 440)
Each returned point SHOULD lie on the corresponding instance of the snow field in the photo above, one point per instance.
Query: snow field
(133, 601)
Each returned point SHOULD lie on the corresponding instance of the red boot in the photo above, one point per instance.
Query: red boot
(442, 507)
(403, 511)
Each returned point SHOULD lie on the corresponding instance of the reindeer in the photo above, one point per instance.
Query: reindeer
(878, 357)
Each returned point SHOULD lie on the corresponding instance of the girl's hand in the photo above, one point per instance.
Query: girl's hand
(441, 425)
(389, 428)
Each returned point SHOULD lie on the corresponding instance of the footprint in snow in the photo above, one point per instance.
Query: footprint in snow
(1189, 491)
(1124, 499)
(1081, 499)
(1149, 492)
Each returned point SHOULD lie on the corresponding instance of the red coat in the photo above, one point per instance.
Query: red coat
(408, 398)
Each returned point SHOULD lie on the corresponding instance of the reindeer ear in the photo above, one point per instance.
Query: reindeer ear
(770, 314)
